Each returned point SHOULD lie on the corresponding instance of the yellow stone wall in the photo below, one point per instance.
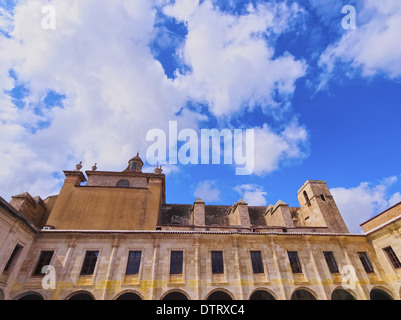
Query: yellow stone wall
(107, 208)
(13, 230)
(387, 215)
(197, 281)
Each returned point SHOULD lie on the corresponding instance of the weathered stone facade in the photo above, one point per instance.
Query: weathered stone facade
(255, 246)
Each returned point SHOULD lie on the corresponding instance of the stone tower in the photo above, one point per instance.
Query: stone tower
(318, 208)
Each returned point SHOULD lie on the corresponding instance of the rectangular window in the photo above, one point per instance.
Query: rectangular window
(294, 262)
(217, 262)
(176, 262)
(44, 260)
(13, 258)
(134, 262)
(89, 263)
(257, 264)
(393, 257)
(366, 262)
(331, 261)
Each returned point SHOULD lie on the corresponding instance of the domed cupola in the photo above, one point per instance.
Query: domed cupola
(135, 164)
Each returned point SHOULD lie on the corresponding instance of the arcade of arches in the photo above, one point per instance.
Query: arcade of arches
(260, 294)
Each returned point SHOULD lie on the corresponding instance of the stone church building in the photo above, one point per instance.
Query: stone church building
(111, 236)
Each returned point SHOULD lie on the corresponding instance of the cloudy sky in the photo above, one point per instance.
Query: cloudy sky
(86, 80)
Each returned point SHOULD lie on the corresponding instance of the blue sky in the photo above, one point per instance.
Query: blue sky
(323, 101)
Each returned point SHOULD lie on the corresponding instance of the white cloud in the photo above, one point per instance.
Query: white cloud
(252, 194)
(100, 58)
(395, 198)
(273, 149)
(232, 65)
(361, 203)
(208, 191)
(374, 46)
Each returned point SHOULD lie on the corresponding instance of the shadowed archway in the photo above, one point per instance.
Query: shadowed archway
(262, 295)
(81, 296)
(175, 295)
(302, 294)
(219, 295)
(378, 294)
(129, 296)
(341, 294)
(31, 296)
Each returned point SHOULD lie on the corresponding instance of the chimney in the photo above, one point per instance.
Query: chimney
(198, 213)
(239, 215)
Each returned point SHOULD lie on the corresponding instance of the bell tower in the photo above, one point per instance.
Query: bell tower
(318, 208)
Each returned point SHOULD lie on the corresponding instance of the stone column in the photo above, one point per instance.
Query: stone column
(109, 273)
(278, 272)
(349, 262)
(153, 283)
(238, 269)
(198, 278)
(316, 270)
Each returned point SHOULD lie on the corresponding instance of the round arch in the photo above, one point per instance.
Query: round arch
(129, 295)
(220, 294)
(30, 296)
(81, 295)
(303, 294)
(380, 294)
(342, 294)
(175, 295)
(262, 294)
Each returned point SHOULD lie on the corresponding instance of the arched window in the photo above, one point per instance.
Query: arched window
(123, 184)
(306, 198)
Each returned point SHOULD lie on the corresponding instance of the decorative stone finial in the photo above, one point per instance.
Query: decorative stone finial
(78, 166)
(158, 169)
(94, 168)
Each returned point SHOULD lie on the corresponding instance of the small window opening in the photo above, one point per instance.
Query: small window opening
(307, 199)
(123, 183)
